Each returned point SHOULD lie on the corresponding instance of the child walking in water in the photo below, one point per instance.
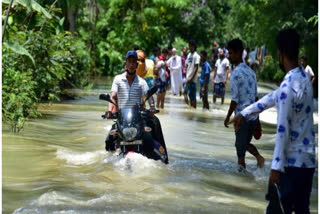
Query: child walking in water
(204, 79)
(160, 71)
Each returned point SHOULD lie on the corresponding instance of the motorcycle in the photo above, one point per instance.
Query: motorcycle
(131, 125)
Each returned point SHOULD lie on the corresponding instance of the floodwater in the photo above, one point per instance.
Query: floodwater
(58, 164)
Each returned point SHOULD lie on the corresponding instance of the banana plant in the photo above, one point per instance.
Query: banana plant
(18, 49)
(31, 5)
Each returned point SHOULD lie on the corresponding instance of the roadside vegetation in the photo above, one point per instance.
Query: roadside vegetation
(51, 45)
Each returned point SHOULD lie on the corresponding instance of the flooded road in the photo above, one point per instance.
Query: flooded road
(58, 164)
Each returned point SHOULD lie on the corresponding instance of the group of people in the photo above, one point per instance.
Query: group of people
(166, 69)
(163, 67)
(293, 163)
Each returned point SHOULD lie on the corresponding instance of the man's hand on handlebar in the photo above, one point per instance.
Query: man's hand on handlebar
(153, 109)
(108, 114)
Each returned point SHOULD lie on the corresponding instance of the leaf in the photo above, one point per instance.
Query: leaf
(15, 47)
(11, 101)
(57, 31)
(10, 20)
(25, 3)
(61, 21)
(31, 4)
(313, 19)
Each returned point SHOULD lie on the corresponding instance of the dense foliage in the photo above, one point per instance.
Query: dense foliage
(257, 22)
(50, 45)
(39, 59)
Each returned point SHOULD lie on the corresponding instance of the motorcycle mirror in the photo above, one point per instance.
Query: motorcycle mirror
(150, 92)
(106, 97)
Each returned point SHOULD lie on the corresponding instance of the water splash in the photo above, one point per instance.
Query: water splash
(57, 202)
(137, 165)
(107, 127)
(85, 158)
(261, 175)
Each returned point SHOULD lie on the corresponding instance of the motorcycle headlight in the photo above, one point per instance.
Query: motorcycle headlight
(129, 133)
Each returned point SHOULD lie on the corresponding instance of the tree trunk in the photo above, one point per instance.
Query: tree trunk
(71, 20)
(93, 17)
(70, 15)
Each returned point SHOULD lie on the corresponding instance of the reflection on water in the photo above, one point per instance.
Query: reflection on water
(58, 165)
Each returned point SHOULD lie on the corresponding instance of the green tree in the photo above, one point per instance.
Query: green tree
(258, 22)
(39, 59)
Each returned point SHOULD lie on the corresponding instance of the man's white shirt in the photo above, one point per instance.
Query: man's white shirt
(174, 63)
(221, 66)
(295, 138)
(308, 69)
(192, 60)
(129, 96)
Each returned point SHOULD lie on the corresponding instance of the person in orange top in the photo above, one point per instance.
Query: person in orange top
(142, 68)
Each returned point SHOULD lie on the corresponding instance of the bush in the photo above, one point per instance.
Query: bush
(37, 64)
(179, 43)
(270, 70)
(19, 100)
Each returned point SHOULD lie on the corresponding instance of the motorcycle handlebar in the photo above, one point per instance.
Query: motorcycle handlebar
(147, 112)
(115, 115)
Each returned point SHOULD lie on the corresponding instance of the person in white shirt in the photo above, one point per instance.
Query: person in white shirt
(252, 57)
(127, 91)
(307, 68)
(293, 163)
(175, 67)
(244, 55)
(192, 65)
(220, 76)
(128, 88)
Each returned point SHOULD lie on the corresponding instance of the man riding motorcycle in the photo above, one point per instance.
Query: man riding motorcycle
(127, 91)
